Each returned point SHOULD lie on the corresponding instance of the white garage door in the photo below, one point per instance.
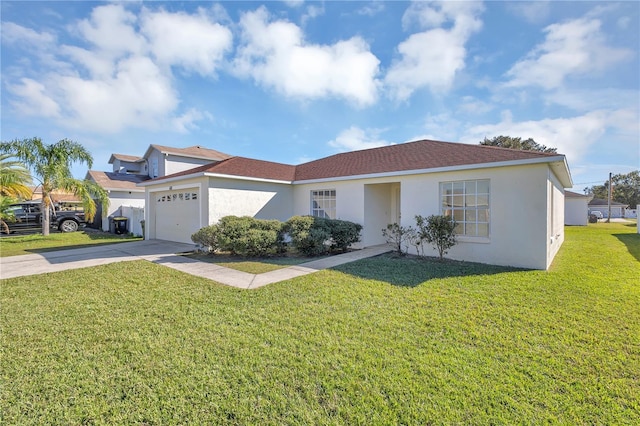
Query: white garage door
(177, 214)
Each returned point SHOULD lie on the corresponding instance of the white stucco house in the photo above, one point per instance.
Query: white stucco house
(576, 211)
(598, 204)
(125, 197)
(509, 204)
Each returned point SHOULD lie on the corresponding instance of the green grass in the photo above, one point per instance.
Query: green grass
(252, 265)
(379, 341)
(37, 243)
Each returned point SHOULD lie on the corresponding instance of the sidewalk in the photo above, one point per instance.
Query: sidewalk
(165, 253)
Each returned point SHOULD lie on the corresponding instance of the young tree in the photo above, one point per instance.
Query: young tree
(437, 230)
(51, 166)
(517, 143)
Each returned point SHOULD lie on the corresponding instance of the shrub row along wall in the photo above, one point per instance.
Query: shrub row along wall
(247, 236)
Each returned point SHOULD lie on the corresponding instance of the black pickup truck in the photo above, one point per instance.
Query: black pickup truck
(28, 216)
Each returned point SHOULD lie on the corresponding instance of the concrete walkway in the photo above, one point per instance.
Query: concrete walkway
(166, 253)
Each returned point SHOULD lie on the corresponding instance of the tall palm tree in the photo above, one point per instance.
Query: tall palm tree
(51, 166)
(14, 178)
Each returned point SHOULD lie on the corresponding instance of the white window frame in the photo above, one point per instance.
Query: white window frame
(469, 203)
(323, 203)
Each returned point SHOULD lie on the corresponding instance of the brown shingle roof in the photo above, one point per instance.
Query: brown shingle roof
(420, 155)
(193, 151)
(571, 194)
(116, 181)
(600, 202)
(124, 157)
(242, 167)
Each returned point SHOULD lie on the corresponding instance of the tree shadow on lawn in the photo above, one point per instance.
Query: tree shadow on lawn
(632, 241)
(97, 236)
(411, 271)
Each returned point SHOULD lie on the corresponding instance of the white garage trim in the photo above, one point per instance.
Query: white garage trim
(177, 217)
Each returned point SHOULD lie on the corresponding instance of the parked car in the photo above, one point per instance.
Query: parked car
(597, 214)
(28, 215)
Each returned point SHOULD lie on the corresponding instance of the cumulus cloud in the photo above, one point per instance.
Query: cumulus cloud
(17, 34)
(355, 138)
(575, 47)
(32, 99)
(275, 55)
(120, 73)
(190, 41)
(432, 58)
(572, 136)
(533, 11)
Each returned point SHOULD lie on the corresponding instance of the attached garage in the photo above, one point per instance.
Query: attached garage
(176, 214)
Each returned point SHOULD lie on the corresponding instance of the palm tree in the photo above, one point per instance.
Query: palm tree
(14, 178)
(51, 166)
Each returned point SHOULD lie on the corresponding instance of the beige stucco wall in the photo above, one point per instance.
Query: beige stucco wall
(555, 224)
(575, 211)
(262, 200)
(519, 196)
(175, 164)
(118, 199)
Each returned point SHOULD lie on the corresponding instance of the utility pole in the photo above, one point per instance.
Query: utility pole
(609, 201)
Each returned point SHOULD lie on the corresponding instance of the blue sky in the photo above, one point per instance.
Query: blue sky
(294, 81)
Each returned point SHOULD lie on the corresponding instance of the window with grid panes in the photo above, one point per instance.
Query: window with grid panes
(323, 203)
(468, 203)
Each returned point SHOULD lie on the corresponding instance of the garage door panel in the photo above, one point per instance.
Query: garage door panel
(177, 214)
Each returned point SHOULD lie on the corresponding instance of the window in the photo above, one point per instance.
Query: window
(468, 203)
(323, 203)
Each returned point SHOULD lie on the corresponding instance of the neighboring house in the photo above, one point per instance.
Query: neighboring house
(576, 211)
(128, 170)
(598, 204)
(509, 204)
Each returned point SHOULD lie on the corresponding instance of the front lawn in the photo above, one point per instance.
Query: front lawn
(380, 341)
(37, 243)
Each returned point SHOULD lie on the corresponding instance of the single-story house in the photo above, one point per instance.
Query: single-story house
(598, 204)
(509, 204)
(576, 211)
(129, 170)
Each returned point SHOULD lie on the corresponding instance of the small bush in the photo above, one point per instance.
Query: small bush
(308, 235)
(244, 236)
(398, 236)
(207, 237)
(313, 236)
(439, 231)
(344, 234)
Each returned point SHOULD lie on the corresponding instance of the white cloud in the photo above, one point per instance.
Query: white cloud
(111, 30)
(571, 136)
(32, 99)
(119, 73)
(191, 41)
(276, 55)
(371, 9)
(17, 34)
(355, 138)
(473, 105)
(571, 48)
(533, 11)
(139, 95)
(433, 57)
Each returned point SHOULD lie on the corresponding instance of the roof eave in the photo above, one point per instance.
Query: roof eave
(540, 160)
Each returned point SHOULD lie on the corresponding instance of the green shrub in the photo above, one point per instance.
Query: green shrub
(438, 230)
(343, 234)
(244, 236)
(398, 235)
(308, 235)
(207, 237)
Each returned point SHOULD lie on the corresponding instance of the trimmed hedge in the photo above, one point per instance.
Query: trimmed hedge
(313, 236)
(246, 236)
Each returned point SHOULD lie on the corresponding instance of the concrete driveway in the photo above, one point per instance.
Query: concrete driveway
(62, 260)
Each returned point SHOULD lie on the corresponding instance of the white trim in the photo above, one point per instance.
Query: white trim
(177, 187)
(437, 170)
(249, 178)
(137, 190)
